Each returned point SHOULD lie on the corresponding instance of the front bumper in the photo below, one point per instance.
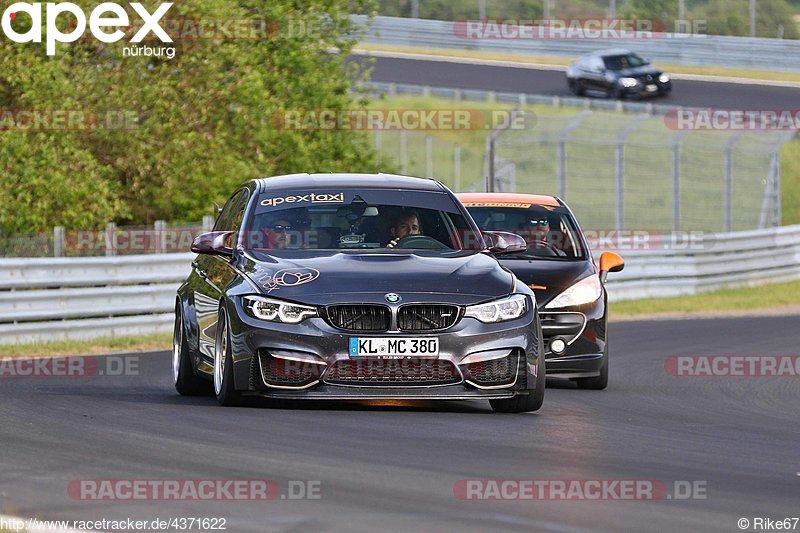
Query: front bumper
(583, 330)
(641, 91)
(311, 360)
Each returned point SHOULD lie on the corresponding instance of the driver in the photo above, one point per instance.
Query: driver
(405, 224)
(537, 235)
(277, 232)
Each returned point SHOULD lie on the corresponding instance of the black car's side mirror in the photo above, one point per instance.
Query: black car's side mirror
(503, 242)
(214, 243)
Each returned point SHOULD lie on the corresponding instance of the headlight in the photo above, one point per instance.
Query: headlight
(629, 82)
(278, 311)
(664, 78)
(499, 310)
(585, 291)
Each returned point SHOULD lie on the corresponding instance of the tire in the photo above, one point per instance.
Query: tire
(616, 93)
(183, 377)
(598, 382)
(224, 386)
(576, 87)
(524, 403)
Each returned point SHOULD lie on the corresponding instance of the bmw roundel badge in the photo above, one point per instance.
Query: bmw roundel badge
(392, 298)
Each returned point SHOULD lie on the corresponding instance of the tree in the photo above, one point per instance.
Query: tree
(731, 17)
(193, 127)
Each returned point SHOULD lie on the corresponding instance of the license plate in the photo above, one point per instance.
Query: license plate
(651, 88)
(394, 347)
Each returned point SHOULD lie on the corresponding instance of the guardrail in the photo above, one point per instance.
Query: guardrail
(53, 299)
(677, 49)
(81, 298)
(522, 99)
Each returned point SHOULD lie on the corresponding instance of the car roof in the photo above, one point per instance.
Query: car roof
(349, 180)
(610, 52)
(468, 198)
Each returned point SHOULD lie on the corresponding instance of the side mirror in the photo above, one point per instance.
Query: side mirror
(214, 243)
(610, 262)
(503, 242)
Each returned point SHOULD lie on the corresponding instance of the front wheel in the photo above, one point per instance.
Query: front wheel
(524, 403)
(183, 377)
(224, 387)
(598, 382)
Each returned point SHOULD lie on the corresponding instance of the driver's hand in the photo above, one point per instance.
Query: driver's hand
(393, 242)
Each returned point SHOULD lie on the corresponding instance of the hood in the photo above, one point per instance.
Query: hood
(546, 277)
(326, 277)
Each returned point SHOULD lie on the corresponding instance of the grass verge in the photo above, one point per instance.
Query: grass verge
(770, 295)
(158, 341)
(556, 61)
(790, 182)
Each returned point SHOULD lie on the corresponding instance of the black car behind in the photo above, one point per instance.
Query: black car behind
(558, 266)
(617, 73)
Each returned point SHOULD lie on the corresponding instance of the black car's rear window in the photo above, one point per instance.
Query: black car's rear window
(363, 219)
(549, 231)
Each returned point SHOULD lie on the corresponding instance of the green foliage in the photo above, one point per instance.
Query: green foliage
(468, 9)
(201, 123)
(662, 12)
(732, 17)
(724, 17)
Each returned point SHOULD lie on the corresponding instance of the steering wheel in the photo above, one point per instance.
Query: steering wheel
(421, 242)
(550, 247)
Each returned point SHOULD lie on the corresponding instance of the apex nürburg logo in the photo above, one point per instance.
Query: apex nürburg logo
(102, 22)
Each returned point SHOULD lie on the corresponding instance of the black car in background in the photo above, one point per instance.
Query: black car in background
(558, 266)
(342, 286)
(616, 73)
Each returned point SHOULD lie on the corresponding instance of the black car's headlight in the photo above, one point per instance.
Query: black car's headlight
(585, 291)
(278, 311)
(500, 310)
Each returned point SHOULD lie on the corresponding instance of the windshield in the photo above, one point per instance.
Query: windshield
(360, 219)
(550, 232)
(624, 61)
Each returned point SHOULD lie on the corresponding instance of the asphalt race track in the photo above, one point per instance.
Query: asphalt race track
(393, 466)
(551, 82)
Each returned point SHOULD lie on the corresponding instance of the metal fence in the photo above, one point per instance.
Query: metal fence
(626, 171)
(47, 299)
(160, 238)
(643, 173)
(670, 48)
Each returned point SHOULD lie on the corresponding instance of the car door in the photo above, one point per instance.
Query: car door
(214, 273)
(596, 75)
